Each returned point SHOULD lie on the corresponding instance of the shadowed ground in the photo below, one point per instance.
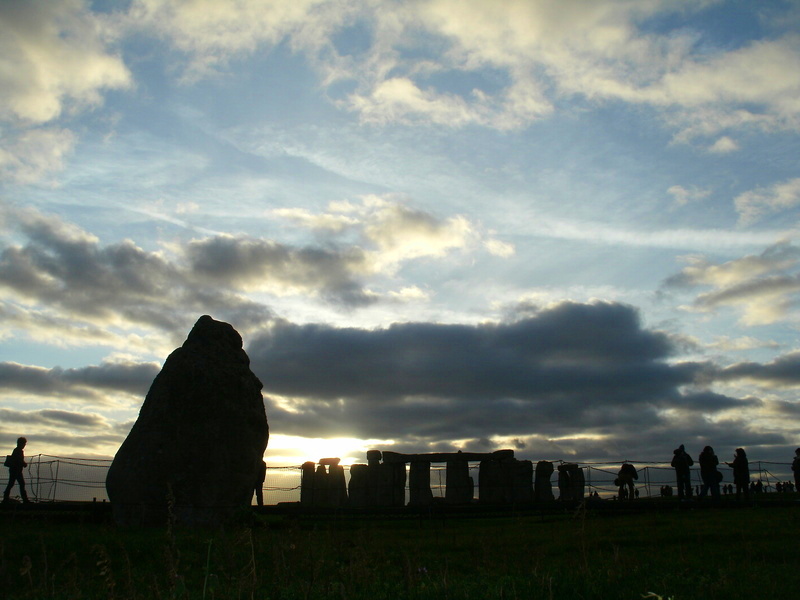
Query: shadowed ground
(731, 552)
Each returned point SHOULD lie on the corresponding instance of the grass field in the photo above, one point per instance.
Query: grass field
(724, 553)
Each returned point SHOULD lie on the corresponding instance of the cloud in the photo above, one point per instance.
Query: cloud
(50, 417)
(210, 33)
(252, 264)
(754, 204)
(521, 60)
(29, 156)
(56, 59)
(89, 382)
(62, 276)
(684, 196)
(402, 233)
(569, 369)
(723, 145)
(727, 343)
(763, 287)
(782, 372)
(54, 53)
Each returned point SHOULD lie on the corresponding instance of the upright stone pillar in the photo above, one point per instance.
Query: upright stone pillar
(522, 482)
(359, 484)
(491, 482)
(571, 483)
(419, 478)
(460, 486)
(391, 484)
(307, 484)
(543, 489)
(321, 488)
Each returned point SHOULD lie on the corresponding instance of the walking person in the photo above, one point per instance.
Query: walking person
(681, 462)
(741, 473)
(708, 473)
(16, 463)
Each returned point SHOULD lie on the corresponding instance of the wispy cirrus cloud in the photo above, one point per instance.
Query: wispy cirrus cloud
(755, 204)
(765, 288)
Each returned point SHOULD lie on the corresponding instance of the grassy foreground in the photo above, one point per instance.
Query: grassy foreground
(726, 553)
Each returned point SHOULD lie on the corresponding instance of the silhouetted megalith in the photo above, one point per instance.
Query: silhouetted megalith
(198, 443)
(543, 489)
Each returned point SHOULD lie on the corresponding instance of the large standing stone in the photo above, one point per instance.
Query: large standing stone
(419, 483)
(460, 486)
(571, 482)
(542, 486)
(196, 448)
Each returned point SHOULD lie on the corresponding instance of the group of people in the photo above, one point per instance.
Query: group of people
(709, 475)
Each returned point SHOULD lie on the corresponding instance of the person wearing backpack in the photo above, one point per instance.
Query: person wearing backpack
(16, 463)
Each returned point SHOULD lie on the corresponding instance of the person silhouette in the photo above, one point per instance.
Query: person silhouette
(259, 484)
(16, 463)
(741, 473)
(625, 477)
(796, 469)
(708, 473)
(681, 463)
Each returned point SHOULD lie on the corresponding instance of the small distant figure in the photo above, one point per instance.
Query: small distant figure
(709, 473)
(624, 481)
(259, 485)
(666, 491)
(796, 469)
(779, 487)
(741, 473)
(681, 462)
(16, 463)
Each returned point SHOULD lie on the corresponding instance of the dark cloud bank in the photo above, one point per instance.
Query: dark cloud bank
(573, 380)
(583, 378)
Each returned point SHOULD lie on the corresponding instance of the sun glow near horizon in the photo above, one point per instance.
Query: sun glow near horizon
(290, 450)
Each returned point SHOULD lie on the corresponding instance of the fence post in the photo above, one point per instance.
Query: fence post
(55, 479)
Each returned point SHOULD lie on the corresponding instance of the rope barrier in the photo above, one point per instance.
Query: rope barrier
(53, 478)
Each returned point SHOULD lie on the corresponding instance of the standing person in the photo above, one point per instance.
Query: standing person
(681, 463)
(625, 479)
(16, 463)
(741, 473)
(259, 485)
(796, 469)
(708, 472)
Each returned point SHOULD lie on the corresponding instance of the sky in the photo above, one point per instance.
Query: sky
(567, 228)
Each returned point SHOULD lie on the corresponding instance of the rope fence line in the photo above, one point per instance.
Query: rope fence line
(65, 479)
